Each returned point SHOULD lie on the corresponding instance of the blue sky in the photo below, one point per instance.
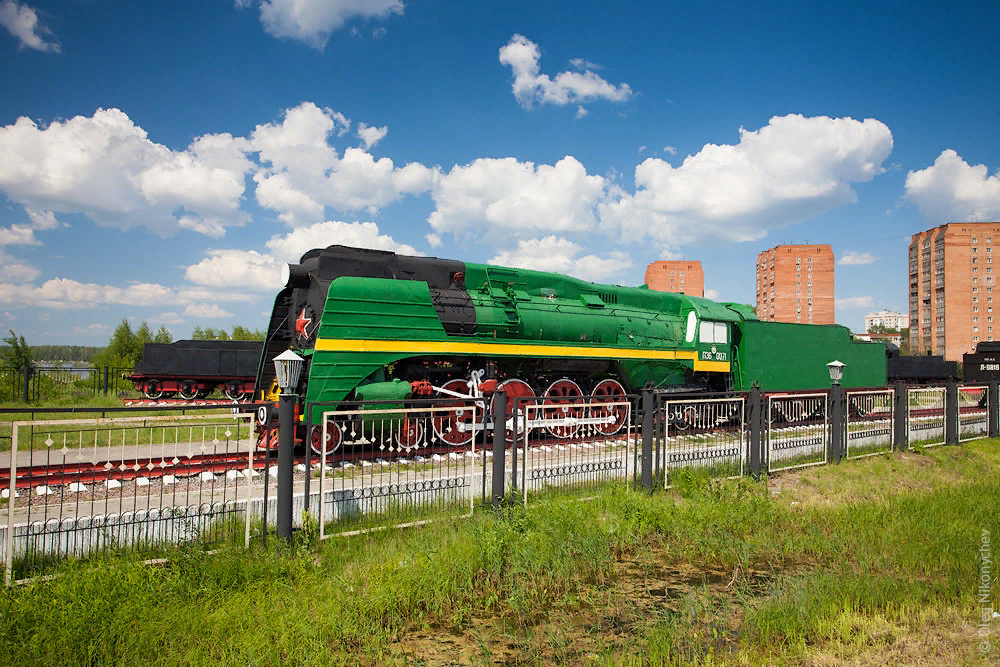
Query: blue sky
(160, 161)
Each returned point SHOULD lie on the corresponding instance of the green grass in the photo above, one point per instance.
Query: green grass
(838, 561)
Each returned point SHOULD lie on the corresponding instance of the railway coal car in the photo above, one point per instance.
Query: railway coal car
(194, 368)
(374, 324)
(982, 366)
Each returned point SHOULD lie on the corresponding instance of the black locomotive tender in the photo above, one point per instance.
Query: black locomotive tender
(192, 369)
(983, 365)
(918, 370)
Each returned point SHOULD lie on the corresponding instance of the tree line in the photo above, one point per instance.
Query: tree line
(124, 350)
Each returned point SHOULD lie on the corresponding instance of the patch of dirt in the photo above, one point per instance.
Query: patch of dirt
(946, 640)
(646, 590)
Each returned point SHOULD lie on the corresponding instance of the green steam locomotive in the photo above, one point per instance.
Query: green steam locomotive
(375, 325)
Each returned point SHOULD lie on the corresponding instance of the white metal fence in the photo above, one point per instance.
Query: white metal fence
(973, 415)
(925, 416)
(705, 434)
(797, 430)
(76, 486)
(869, 423)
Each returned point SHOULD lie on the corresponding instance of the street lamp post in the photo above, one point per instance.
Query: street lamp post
(836, 369)
(287, 367)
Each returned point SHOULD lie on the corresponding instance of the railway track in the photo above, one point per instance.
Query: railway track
(62, 474)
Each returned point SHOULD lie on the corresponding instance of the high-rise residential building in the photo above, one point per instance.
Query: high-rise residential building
(886, 318)
(951, 282)
(795, 284)
(684, 276)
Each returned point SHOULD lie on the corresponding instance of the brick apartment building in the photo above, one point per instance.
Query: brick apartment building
(951, 281)
(684, 276)
(795, 284)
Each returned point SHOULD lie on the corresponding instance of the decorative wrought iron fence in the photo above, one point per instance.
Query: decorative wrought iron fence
(973, 415)
(797, 431)
(48, 382)
(394, 466)
(573, 445)
(869, 423)
(73, 487)
(708, 434)
(925, 416)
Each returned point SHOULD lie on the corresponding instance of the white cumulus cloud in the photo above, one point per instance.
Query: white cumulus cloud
(560, 255)
(788, 171)
(371, 135)
(952, 189)
(206, 310)
(15, 270)
(22, 22)
(712, 294)
(105, 167)
(512, 198)
(304, 173)
(854, 302)
(313, 21)
(569, 87)
(68, 294)
(856, 258)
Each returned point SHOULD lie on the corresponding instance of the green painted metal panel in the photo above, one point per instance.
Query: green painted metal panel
(790, 357)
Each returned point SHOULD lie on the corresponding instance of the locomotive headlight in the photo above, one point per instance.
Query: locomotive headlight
(286, 273)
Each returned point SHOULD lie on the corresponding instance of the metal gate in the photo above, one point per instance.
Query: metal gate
(797, 430)
(394, 467)
(869, 423)
(925, 416)
(707, 434)
(973, 414)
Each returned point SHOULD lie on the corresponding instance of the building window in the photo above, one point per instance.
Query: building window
(975, 299)
(975, 339)
(975, 319)
(973, 239)
(973, 259)
(975, 309)
(975, 328)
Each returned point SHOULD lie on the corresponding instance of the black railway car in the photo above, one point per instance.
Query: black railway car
(983, 365)
(194, 368)
(918, 370)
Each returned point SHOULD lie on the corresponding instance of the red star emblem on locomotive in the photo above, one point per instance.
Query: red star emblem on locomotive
(303, 323)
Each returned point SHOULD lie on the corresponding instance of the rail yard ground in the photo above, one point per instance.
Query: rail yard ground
(872, 562)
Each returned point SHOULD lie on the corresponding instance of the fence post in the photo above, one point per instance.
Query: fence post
(648, 408)
(515, 405)
(836, 416)
(286, 436)
(951, 413)
(993, 408)
(754, 404)
(105, 380)
(499, 409)
(27, 383)
(900, 428)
